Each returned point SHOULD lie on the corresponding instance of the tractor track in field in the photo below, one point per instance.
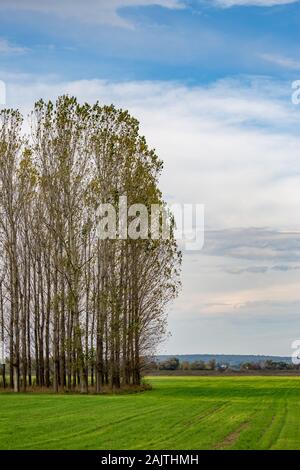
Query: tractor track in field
(198, 419)
(210, 412)
(232, 437)
(282, 423)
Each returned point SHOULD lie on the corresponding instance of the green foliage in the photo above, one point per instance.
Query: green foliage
(198, 365)
(171, 364)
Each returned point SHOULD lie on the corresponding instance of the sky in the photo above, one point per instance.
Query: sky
(211, 83)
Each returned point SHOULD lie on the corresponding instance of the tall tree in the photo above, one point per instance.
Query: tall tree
(75, 305)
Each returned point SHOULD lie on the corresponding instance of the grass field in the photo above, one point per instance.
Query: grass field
(179, 413)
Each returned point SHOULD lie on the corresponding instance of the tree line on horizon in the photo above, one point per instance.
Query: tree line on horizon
(175, 364)
(77, 311)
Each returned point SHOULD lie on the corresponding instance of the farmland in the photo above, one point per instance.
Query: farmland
(178, 413)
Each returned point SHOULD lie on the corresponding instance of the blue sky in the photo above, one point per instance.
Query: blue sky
(210, 82)
(195, 41)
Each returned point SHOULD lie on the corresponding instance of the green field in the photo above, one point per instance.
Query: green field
(179, 413)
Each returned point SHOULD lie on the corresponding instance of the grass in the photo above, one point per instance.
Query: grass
(178, 413)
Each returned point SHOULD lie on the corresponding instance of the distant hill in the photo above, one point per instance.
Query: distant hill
(230, 359)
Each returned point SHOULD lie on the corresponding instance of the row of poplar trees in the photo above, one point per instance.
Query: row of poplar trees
(78, 311)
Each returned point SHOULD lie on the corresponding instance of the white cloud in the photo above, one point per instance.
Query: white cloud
(258, 3)
(8, 48)
(94, 11)
(233, 145)
(285, 62)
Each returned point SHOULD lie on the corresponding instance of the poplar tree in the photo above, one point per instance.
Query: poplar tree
(78, 310)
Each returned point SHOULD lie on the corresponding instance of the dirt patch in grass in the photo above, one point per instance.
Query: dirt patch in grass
(232, 438)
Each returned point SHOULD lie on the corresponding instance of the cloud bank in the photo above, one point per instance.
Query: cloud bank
(233, 145)
(93, 11)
